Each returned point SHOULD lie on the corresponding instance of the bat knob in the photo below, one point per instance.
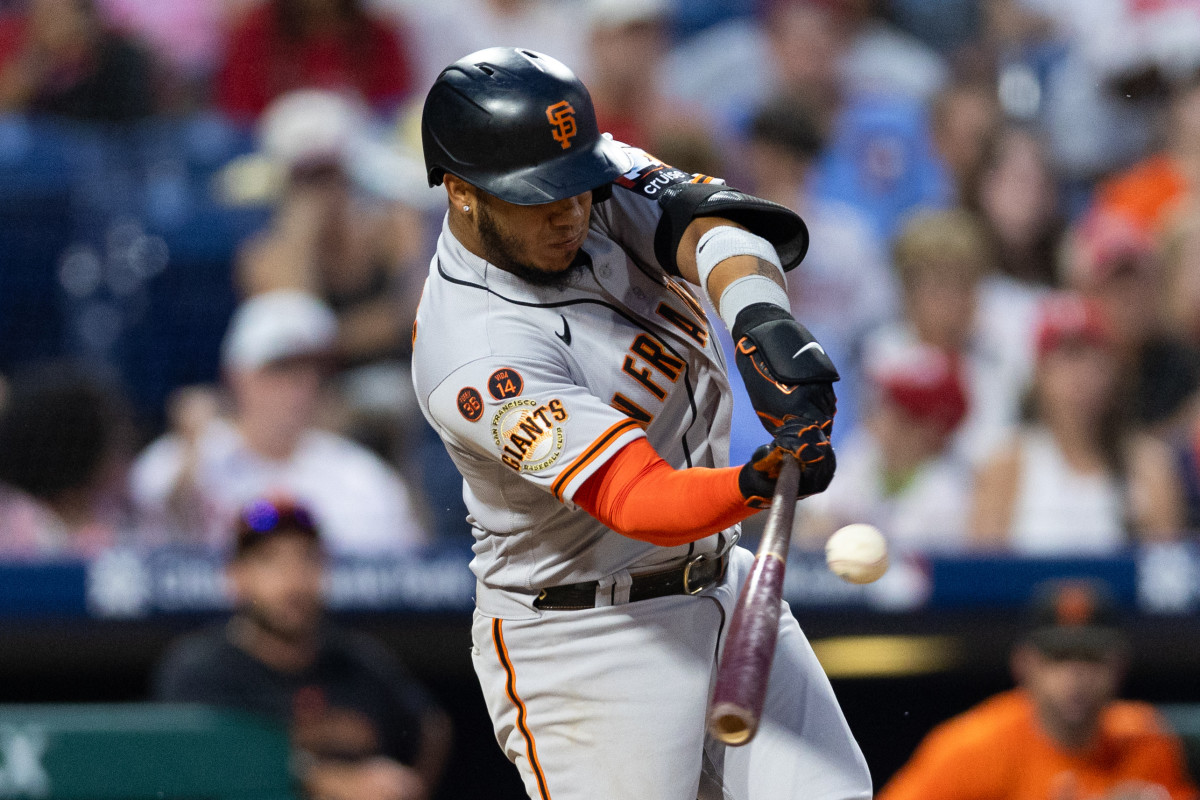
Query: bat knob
(731, 724)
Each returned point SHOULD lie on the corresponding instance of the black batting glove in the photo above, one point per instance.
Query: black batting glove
(811, 448)
(785, 370)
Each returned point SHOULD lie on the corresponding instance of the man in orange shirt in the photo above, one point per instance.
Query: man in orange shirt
(1062, 734)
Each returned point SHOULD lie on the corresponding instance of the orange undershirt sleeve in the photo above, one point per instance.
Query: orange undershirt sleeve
(638, 494)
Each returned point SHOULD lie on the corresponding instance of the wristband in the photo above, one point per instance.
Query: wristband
(746, 292)
(727, 241)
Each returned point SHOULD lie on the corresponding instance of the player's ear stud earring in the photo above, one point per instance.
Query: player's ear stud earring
(466, 208)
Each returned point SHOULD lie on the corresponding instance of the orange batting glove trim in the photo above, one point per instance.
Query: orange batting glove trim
(807, 454)
(747, 347)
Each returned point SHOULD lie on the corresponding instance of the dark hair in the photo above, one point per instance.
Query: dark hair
(59, 424)
(268, 517)
(1039, 263)
(294, 25)
(790, 124)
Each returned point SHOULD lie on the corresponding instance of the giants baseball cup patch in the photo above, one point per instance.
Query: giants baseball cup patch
(505, 383)
(528, 434)
(470, 403)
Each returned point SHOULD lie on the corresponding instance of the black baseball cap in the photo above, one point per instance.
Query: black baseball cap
(1075, 619)
(267, 517)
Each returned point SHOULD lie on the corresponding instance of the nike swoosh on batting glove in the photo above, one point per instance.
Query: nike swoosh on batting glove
(786, 372)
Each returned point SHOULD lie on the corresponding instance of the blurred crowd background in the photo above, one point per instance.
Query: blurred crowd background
(215, 227)
(1005, 265)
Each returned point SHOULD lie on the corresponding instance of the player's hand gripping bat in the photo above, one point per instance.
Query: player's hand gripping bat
(741, 685)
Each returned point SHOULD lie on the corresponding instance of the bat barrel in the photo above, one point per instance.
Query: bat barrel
(746, 662)
(741, 685)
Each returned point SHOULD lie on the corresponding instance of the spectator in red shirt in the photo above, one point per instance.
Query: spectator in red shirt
(57, 58)
(326, 44)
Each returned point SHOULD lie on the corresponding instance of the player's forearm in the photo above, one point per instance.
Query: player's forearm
(734, 267)
(685, 256)
(639, 495)
(672, 507)
(741, 266)
(742, 273)
(728, 270)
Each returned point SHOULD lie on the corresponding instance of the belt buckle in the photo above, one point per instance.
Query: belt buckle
(687, 574)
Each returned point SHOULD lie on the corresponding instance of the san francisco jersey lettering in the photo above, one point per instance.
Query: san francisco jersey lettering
(551, 407)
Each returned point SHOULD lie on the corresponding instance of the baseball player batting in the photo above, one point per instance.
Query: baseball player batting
(562, 355)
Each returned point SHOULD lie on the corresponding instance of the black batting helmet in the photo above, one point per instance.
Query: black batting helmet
(517, 124)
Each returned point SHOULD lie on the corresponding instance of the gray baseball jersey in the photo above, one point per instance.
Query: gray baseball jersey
(533, 388)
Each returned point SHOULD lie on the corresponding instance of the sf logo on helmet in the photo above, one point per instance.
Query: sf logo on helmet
(562, 117)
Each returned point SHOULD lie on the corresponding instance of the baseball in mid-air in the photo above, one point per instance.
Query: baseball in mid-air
(857, 553)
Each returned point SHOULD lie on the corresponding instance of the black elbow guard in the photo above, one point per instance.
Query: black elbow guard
(683, 202)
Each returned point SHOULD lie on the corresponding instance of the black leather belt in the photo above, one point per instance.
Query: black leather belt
(693, 577)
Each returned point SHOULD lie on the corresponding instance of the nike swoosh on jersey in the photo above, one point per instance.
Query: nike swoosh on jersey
(808, 346)
(566, 332)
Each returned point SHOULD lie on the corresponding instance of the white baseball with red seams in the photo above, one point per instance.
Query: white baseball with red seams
(857, 553)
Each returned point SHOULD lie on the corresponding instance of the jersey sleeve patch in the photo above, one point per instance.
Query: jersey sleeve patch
(470, 403)
(530, 435)
(505, 383)
(550, 425)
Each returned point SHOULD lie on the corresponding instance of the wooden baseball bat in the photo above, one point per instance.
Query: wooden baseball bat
(741, 684)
